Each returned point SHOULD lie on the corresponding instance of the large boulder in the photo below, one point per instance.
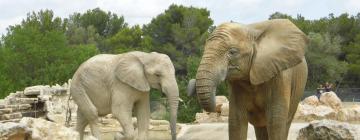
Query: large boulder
(212, 131)
(207, 117)
(311, 100)
(38, 129)
(14, 131)
(42, 129)
(225, 109)
(58, 106)
(37, 90)
(329, 130)
(220, 115)
(331, 99)
(349, 114)
(309, 113)
(329, 106)
(220, 100)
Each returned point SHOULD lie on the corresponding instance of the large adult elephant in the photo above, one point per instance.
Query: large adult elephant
(265, 68)
(116, 83)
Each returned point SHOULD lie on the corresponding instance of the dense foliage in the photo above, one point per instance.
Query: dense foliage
(44, 49)
(334, 50)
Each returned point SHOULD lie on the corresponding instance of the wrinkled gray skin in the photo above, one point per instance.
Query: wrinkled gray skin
(116, 84)
(265, 68)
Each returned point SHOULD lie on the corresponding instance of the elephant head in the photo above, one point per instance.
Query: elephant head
(254, 53)
(144, 70)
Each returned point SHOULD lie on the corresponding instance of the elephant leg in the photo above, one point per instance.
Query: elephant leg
(87, 109)
(278, 100)
(238, 121)
(123, 114)
(261, 133)
(142, 109)
(81, 123)
(95, 130)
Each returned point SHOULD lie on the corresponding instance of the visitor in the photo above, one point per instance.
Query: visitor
(328, 87)
(319, 91)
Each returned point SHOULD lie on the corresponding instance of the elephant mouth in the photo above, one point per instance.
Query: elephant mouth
(237, 68)
(233, 71)
(233, 67)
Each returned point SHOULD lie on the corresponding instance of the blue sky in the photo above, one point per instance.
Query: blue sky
(142, 11)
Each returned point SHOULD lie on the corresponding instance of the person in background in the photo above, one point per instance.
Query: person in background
(328, 87)
(319, 91)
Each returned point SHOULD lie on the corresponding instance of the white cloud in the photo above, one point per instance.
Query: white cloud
(352, 5)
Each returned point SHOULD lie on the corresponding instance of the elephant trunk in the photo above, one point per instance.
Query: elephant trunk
(206, 88)
(172, 92)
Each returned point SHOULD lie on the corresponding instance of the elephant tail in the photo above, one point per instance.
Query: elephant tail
(85, 105)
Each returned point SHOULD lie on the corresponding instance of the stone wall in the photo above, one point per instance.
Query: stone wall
(51, 105)
(42, 101)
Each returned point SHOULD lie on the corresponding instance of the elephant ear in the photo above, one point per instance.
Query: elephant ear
(279, 45)
(130, 70)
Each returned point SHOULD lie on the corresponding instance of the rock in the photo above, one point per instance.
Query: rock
(225, 109)
(5, 111)
(311, 100)
(349, 114)
(212, 131)
(26, 100)
(331, 99)
(11, 116)
(2, 106)
(58, 90)
(14, 131)
(221, 99)
(159, 122)
(57, 106)
(220, 115)
(329, 130)
(160, 128)
(35, 90)
(11, 120)
(42, 129)
(10, 100)
(209, 118)
(310, 113)
(19, 107)
(217, 108)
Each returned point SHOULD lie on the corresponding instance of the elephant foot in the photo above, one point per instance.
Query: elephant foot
(121, 136)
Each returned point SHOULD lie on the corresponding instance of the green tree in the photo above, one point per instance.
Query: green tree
(127, 39)
(106, 24)
(353, 57)
(94, 27)
(322, 60)
(179, 32)
(36, 52)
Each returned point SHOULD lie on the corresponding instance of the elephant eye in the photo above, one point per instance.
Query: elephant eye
(233, 51)
(157, 74)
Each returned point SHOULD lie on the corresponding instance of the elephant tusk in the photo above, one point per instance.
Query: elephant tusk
(181, 100)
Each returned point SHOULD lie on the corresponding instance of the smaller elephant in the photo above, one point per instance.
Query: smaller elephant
(116, 84)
